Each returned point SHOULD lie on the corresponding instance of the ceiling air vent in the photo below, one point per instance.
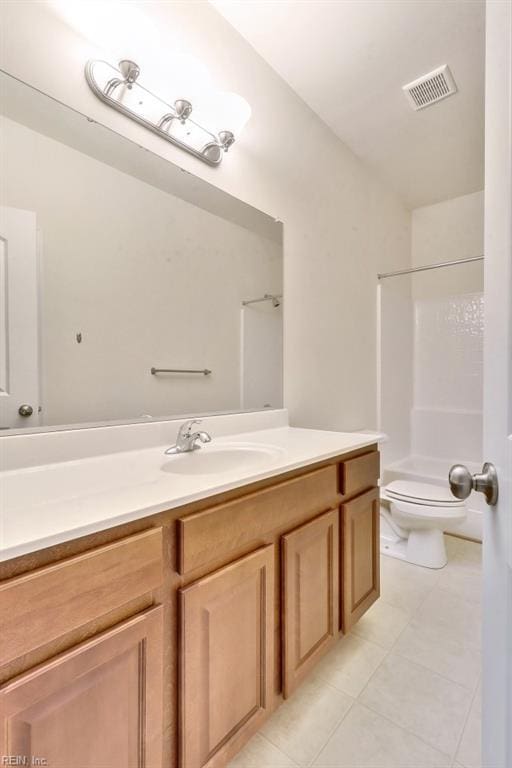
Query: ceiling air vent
(430, 88)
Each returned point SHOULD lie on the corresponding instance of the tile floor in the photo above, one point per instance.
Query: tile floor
(402, 690)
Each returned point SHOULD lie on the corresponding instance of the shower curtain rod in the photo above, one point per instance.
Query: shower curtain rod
(382, 275)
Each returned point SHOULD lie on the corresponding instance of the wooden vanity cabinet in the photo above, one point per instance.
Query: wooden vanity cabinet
(98, 704)
(310, 596)
(226, 658)
(171, 639)
(81, 645)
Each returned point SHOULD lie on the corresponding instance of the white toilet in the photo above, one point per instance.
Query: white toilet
(419, 512)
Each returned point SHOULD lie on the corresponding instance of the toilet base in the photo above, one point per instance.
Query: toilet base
(426, 547)
(423, 547)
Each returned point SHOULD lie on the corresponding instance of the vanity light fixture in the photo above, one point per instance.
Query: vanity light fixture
(120, 89)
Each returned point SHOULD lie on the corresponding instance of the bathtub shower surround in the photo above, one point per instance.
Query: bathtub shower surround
(446, 418)
(432, 352)
(448, 306)
(431, 378)
(443, 368)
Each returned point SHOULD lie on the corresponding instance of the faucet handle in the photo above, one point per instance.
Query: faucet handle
(187, 426)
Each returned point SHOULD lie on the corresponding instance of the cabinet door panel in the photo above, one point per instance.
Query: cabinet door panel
(227, 633)
(360, 556)
(99, 704)
(310, 595)
(360, 473)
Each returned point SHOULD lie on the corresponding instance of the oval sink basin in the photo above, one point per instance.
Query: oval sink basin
(219, 459)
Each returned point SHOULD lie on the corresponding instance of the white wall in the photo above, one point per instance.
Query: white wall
(447, 231)
(341, 224)
(146, 278)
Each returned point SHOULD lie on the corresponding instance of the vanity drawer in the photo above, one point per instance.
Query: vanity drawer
(360, 473)
(45, 604)
(216, 532)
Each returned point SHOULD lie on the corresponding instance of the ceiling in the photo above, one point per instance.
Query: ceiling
(348, 60)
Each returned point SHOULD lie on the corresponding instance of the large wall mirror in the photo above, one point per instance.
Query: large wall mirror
(129, 289)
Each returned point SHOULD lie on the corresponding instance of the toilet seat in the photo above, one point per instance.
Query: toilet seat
(448, 513)
(420, 512)
(420, 494)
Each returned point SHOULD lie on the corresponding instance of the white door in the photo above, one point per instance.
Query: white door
(19, 376)
(497, 551)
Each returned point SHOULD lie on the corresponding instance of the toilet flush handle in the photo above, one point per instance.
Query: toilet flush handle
(462, 482)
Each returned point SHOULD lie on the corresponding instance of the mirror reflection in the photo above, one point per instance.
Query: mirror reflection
(129, 289)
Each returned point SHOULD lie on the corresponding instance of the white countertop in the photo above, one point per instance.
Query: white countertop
(45, 505)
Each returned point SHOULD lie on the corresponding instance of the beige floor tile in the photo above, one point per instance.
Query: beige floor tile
(351, 663)
(431, 707)
(470, 553)
(453, 616)
(408, 572)
(453, 545)
(464, 584)
(402, 585)
(462, 580)
(382, 624)
(469, 753)
(302, 725)
(364, 739)
(441, 653)
(260, 753)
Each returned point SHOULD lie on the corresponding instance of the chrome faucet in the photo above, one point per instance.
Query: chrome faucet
(187, 440)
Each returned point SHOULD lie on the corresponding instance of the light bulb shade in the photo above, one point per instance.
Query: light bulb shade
(188, 78)
(232, 113)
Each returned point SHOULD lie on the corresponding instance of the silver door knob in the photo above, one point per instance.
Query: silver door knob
(25, 410)
(462, 482)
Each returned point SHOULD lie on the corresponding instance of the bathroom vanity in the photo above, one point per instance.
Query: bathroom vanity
(169, 639)
(155, 610)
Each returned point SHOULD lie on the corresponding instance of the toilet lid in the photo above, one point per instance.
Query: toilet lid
(422, 493)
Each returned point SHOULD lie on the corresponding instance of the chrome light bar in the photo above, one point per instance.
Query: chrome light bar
(120, 89)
